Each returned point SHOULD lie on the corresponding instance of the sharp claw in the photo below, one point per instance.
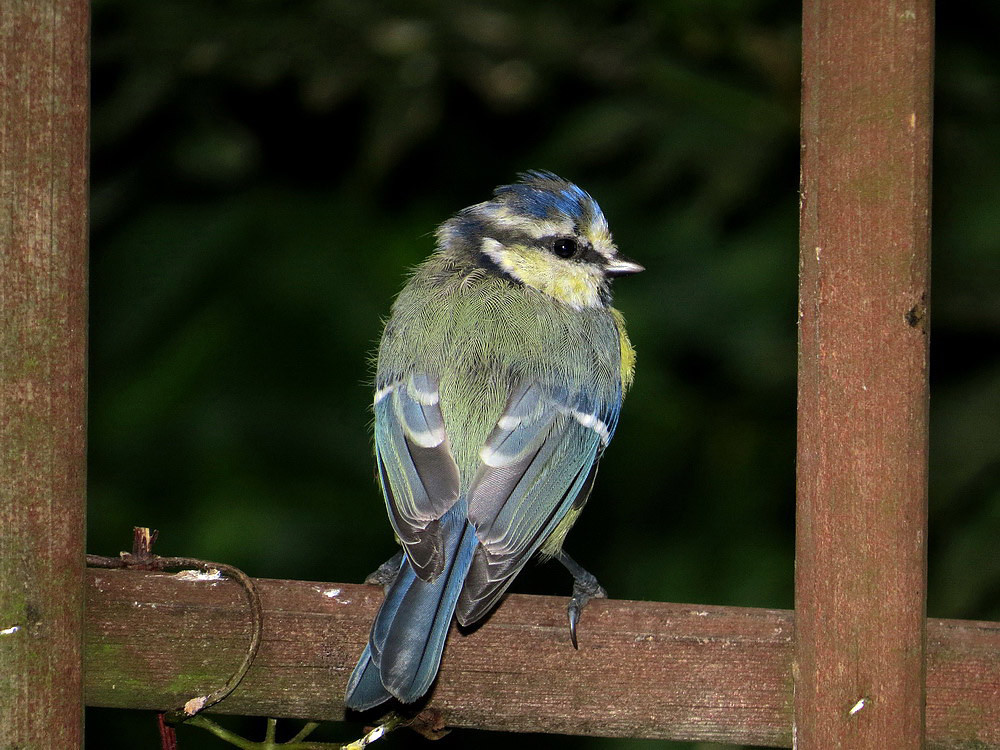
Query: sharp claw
(585, 588)
(574, 617)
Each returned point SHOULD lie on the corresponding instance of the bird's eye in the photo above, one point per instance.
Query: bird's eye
(564, 247)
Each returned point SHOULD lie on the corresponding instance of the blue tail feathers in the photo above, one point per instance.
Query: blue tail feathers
(407, 638)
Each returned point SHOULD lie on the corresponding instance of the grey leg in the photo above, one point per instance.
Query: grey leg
(585, 588)
(386, 572)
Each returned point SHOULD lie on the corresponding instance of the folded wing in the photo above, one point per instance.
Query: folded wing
(419, 477)
(538, 462)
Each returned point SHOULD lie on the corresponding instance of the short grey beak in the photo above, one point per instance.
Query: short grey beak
(622, 266)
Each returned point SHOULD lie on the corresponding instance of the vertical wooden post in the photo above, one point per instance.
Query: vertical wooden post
(863, 342)
(43, 319)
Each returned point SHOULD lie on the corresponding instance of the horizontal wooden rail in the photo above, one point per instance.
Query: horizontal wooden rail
(644, 669)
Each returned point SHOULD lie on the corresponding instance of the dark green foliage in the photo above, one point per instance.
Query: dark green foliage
(265, 172)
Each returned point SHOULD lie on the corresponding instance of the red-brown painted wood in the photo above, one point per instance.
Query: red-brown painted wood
(862, 401)
(644, 669)
(43, 323)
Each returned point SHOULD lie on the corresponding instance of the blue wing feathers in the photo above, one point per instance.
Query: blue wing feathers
(365, 689)
(462, 553)
(494, 569)
(409, 632)
(420, 480)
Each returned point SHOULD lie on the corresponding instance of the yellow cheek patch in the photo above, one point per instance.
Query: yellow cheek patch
(579, 288)
(567, 282)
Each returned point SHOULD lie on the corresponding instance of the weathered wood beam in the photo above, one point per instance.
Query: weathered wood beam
(43, 323)
(863, 394)
(644, 669)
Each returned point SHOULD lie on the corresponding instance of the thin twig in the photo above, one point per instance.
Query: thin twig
(390, 722)
(308, 729)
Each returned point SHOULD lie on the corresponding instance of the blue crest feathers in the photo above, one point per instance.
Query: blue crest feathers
(540, 194)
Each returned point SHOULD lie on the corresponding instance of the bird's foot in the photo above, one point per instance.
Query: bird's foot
(585, 588)
(386, 572)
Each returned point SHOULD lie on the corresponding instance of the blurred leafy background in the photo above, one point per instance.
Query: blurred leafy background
(265, 172)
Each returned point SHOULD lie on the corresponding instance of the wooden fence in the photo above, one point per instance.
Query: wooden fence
(858, 665)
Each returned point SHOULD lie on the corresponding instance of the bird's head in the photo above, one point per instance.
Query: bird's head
(543, 232)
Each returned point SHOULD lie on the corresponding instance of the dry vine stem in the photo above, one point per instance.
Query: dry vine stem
(142, 558)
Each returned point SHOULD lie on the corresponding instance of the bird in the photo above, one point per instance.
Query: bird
(499, 380)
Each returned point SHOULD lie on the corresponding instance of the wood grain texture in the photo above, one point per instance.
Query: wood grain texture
(644, 669)
(43, 321)
(863, 396)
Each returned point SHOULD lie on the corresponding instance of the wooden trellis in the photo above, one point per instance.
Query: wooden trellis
(864, 267)
(44, 107)
(857, 665)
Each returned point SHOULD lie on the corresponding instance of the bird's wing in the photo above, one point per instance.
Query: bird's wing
(418, 475)
(539, 461)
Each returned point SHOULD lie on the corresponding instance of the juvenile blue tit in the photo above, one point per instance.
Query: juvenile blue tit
(499, 381)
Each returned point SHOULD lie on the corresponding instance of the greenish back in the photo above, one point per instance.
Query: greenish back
(481, 334)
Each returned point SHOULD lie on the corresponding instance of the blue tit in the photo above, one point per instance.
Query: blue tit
(499, 381)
